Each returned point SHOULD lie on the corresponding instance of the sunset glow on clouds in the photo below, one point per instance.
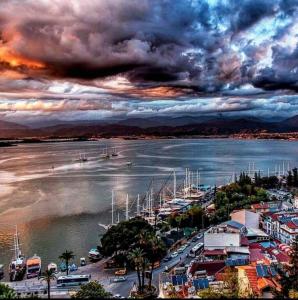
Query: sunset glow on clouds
(95, 59)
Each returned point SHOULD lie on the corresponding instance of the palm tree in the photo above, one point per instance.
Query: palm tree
(158, 251)
(137, 257)
(48, 276)
(67, 256)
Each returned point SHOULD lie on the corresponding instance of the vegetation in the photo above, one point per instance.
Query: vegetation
(137, 257)
(6, 292)
(289, 275)
(92, 290)
(230, 287)
(240, 194)
(123, 237)
(292, 178)
(134, 243)
(48, 276)
(194, 217)
(67, 256)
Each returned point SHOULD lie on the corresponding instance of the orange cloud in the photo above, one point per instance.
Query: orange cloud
(14, 60)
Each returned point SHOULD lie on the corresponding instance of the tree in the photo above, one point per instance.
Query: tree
(92, 290)
(124, 236)
(67, 256)
(6, 292)
(137, 257)
(48, 276)
(231, 284)
(155, 252)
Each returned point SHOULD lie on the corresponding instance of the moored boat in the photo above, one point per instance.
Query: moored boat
(105, 154)
(114, 153)
(17, 266)
(33, 266)
(82, 158)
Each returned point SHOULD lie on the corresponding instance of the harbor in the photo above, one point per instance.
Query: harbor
(172, 192)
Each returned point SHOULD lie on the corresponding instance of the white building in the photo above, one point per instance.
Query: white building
(220, 237)
(246, 217)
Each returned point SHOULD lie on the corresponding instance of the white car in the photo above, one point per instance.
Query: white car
(119, 279)
(174, 254)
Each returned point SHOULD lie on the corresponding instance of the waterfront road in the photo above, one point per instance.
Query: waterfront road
(105, 277)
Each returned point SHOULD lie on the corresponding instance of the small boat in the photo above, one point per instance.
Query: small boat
(83, 261)
(33, 266)
(17, 266)
(129, 163)
(53, 267)
(114, 153)
(94, 255)
(82, 158)
(105, 154)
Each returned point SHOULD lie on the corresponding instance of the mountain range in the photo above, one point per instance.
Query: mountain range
(154, 126)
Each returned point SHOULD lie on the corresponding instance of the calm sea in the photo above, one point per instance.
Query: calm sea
(58, 202)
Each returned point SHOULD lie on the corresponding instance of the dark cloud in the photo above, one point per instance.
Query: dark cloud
(163, 48)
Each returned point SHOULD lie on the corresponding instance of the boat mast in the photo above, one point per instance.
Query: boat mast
(16, 244)
(197, 181)
(174, 183)
(126, 212)
(138, 205)
(283, 168)
(160, 201)
(112, 207)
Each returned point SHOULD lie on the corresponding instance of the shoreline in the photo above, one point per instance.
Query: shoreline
(15, 142)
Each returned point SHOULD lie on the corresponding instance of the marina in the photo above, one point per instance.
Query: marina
(77, 197)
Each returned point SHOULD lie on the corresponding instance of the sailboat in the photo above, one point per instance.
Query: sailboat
(105, 154)
(82, 158)
(17, 266)
(114, 153)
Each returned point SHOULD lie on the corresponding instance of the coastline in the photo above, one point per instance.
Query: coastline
(280, 137)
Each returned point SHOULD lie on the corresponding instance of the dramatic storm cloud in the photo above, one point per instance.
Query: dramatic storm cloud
(91, 59)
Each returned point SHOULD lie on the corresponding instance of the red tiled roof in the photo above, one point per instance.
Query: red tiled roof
(253, 279)
(211, 267)
(256, 254)
(280, 256)
(260, 206)
(255, 246)
(244, 241)
(214, 252)
(291, 225)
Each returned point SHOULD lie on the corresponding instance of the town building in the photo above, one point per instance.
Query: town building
(282, 226)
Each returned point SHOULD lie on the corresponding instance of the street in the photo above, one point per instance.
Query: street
(102, 275)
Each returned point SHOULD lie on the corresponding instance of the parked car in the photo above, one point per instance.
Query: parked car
(119, 279)
(121, 272)
(118, 296)
(174, 254)
(167, 258)
(180, 250)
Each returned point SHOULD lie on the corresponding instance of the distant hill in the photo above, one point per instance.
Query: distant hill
(291, 122)
(163, 121)
(162, 126)
(4, 125)
(11, 129)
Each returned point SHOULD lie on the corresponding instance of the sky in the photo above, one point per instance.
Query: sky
(97, 59)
